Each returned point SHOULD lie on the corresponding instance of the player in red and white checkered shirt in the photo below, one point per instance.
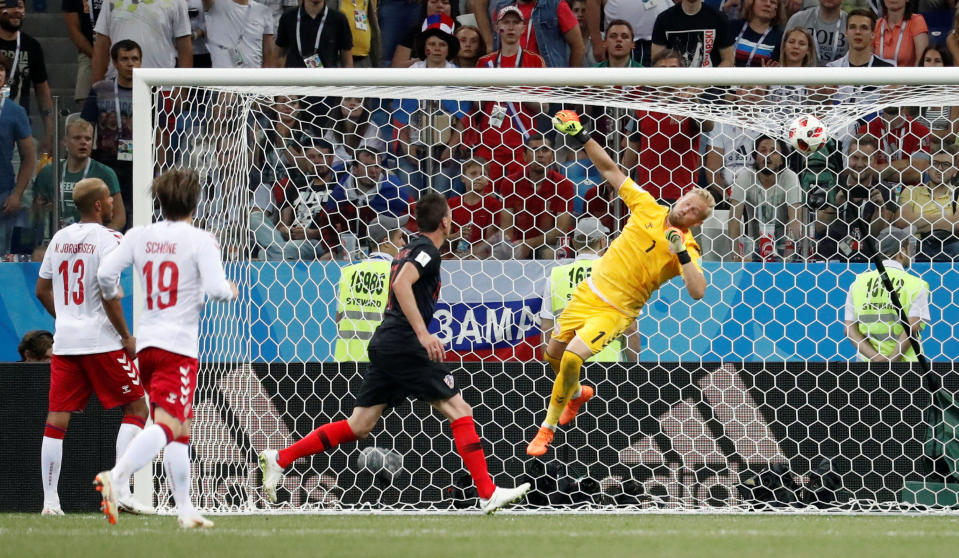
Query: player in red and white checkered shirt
(93, 350)
(179, 265)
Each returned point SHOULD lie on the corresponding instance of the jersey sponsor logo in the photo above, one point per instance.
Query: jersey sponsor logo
(423, 258)
(171, 398)
(125, 389)
(161, 247)
(468, 326)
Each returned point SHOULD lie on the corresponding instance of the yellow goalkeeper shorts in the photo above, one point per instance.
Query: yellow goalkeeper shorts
(591, 318)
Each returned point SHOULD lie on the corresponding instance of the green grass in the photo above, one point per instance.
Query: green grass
(458, 536)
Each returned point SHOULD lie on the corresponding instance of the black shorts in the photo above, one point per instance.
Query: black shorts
(392, 376)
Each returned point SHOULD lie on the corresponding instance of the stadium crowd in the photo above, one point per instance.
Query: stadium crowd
(322, 169)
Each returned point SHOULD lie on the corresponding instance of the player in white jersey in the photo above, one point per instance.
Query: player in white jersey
(178, 265)
(93, 350)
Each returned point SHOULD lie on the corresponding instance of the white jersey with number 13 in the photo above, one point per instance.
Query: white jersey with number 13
(178, 264)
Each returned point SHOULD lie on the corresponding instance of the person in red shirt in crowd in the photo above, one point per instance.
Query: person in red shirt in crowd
(903, 141)
(540, 199)
(498, 130)
(478, 216)
(666, 146)
(600, 202)
(562, 25)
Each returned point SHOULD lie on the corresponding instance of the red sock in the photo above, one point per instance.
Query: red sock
(54, 432)
(134, 420)
(471, 450)
(323, 438)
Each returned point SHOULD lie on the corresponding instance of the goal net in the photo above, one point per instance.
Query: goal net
(751, 398)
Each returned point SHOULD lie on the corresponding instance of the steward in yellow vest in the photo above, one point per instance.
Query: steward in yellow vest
(363, 293)
(872, 321)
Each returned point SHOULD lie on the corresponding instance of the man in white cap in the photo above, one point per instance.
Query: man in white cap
(590, 239)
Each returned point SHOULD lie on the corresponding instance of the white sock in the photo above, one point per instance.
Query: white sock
(51, 456)
(176, 463)
(579, 392)
(139, 453)
(126, 434)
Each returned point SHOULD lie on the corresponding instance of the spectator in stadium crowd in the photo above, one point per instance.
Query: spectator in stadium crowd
(903, 141)
(277, 7)
(497, 130)
(162, 29)
(729, 148)
(859, 208)
(552, 29)
(797, 49)
(952, 40)
(619, 46)
(941, 121)
(77, 166)
(860, 30)
(766, 200)
(699, 32)
(36, 346)
(826, 24)
(930, 208)
(303, 196)
(110, 109)
(14, 132)
(239, 33)
(471, 46)
(540, 200)
(352, 128)
(758, 33)
(365, 192)
(80, 16)
(428, 133)
(405, 53)
(283, 121)
(28, 68)
(665, 146)
(365, 29)
(641, 17)
(397, 18)
(579, 10)
(325, 40)
(900, 35)
(198, 34)
(870, 327)
(479, 219)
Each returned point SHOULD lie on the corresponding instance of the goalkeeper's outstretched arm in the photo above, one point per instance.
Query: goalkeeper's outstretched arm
(567, 122)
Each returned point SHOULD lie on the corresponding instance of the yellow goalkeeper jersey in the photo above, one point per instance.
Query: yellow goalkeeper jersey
(639, 260)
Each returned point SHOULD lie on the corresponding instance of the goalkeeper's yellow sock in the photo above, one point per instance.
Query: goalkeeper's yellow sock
(554, 364)
(567, 380)
(553, 361)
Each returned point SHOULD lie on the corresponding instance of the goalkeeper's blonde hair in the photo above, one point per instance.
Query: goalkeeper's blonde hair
(707, 197)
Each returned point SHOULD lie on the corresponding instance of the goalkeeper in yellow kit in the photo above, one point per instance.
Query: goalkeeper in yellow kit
(654, 246)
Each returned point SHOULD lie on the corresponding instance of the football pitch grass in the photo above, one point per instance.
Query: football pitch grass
(501, 536)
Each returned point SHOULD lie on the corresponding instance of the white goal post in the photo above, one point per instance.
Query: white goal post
(751, 398)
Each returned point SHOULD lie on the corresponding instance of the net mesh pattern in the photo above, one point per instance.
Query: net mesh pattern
(748, 399)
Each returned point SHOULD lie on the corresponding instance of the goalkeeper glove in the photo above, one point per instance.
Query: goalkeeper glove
(567, 122)
(677, 244)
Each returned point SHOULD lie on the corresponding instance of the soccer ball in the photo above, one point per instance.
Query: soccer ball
(807, 134)
(378, 460)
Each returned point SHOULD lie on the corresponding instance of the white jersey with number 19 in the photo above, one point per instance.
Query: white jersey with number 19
(178, 264)
(71, 261)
